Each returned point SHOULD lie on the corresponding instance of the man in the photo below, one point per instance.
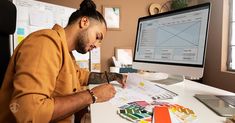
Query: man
(43, 83)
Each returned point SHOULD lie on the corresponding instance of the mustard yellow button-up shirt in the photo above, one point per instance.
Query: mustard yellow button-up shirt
(40, 69)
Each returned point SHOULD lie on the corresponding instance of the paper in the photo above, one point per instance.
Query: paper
(81, 59)
(34, 15)
(124, 96)
(139, 89)
(95, 60)
(115, 62)
(22, 13)
(173, 113)
(124, 55)
(41, 18)
(161, 115)
(34, 28)
(20, 34)
(20, 31)
(135, 112)
(19, 38)
(157, 112)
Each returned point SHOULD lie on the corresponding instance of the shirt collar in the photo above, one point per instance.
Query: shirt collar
(60, 31)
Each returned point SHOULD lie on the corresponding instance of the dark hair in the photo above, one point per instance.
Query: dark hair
(87, 8)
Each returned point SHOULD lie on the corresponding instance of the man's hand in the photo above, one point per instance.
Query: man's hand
(69, 104)
(122, 80)
(104, 92)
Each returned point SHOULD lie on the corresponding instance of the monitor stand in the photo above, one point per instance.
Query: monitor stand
(162, 78)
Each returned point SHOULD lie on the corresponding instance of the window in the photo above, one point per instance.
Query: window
(231, 53)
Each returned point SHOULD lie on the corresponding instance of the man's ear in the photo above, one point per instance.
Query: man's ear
(84, 22)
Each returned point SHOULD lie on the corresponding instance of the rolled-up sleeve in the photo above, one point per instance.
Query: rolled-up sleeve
(37, 66)
(32, 108)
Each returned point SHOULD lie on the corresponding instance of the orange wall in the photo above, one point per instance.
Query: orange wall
(215, 69)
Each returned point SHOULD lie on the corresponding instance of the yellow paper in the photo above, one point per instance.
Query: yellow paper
(20, 38)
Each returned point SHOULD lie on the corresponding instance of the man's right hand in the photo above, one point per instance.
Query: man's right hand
(104, 92)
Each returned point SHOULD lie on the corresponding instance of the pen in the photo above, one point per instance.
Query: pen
(106, 76)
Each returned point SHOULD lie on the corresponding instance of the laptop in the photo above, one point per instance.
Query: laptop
(223, 105)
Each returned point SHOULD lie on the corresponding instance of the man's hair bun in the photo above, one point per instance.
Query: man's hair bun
(87, 5)
(87, 8)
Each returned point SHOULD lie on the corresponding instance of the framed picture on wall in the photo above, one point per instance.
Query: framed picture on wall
(112, 17)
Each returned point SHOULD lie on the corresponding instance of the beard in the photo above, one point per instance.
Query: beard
(82, 41)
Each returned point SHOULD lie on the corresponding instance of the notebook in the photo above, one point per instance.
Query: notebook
(223, 105)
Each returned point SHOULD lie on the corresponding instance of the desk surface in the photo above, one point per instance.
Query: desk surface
(107, 113)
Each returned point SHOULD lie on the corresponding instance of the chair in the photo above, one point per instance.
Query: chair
(7, 27)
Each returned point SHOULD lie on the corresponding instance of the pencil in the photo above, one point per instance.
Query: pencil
(105, 72)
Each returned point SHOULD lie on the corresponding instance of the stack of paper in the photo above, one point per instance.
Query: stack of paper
(139, 89)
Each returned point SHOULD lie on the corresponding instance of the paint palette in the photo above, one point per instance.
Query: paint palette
(135, 112)
(143, 112)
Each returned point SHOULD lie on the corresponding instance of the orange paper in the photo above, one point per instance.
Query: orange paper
(161, 114)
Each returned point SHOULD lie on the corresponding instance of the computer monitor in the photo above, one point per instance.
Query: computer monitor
(173, 42)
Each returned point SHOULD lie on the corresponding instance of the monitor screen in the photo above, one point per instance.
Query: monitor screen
(173, 42)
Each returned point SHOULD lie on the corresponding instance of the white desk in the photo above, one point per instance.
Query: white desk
(107, 113)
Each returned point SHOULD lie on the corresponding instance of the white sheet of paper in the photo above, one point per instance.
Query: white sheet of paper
(139, 89)
(40, 18)
(22, 13)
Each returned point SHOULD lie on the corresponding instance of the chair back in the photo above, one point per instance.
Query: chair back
(7, 27)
